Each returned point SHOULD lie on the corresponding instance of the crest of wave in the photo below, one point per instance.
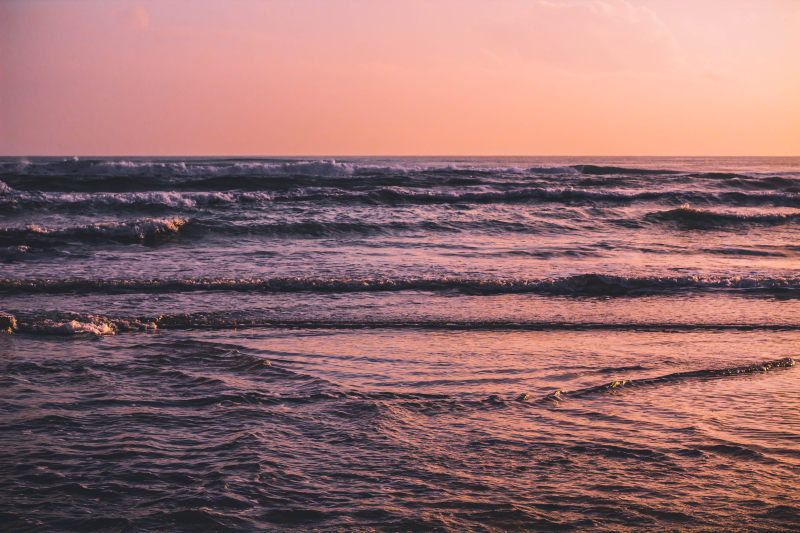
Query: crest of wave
(127, 230)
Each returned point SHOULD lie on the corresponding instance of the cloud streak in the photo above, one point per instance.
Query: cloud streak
(595, 35)
(132, 18)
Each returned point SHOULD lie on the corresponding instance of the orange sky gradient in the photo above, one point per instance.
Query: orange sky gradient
(303, 77)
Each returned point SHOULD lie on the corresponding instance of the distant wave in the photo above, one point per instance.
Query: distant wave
(150, 230)
(567, 195)
(374, 196)
(528, 194)
(197, 183)
(129, 231)
(293, 167)
(577, 285)
(778, 199)
(326, 167)
(756, 368)
(744, 251)
(596, 170)
(109, 167)
(755, 179)
(703, 219)
(389, 195)
(315, 228)
(135, 200)
(767, 180)
(268, 167)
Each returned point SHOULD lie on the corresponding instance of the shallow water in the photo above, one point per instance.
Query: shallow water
(400, 344)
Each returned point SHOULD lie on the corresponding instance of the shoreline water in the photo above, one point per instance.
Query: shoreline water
(395, 344)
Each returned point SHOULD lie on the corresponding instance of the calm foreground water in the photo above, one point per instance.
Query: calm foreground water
(400, 344)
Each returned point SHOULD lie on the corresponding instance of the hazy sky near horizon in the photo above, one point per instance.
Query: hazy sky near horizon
(473, 77)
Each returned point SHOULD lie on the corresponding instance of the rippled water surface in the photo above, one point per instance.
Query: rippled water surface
(399, 344)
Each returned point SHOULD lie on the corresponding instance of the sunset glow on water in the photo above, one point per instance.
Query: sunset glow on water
(387, 343)
(401, 344)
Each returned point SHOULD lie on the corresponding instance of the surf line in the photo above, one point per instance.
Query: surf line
(711, 373)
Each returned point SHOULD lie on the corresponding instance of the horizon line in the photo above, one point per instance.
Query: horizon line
(392, 155)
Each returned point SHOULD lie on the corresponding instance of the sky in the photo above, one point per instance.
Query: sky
(430, 77)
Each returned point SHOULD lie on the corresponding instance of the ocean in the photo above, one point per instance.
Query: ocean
(399, 344)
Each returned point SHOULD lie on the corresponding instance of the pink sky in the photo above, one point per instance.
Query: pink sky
(538, 77)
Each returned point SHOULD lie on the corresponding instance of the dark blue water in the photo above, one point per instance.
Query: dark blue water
(399, 344)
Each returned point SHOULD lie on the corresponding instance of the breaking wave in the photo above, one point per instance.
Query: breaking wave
(390, 195)
(69, 324)
(156, 230)
(300, 167)
(146, 229)
(135, 200)
(99, 167)
(258, 167)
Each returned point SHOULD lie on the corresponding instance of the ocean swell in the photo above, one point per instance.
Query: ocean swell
(70, 324)
(147, 229)
(691, 218)
(756, 368)
(577, 285)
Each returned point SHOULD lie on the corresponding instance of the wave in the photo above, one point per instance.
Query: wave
(576, 285)
(279, 167)
(312, 228)
(779, 199)
(390, 196)
(116, 168)
(719, 175)
(567, 195)
(769, 181)
(143, 230)
(21, 240)
(70, 324)
(756, 368)
(136, 200)
(374, 196)
(320, 167)
(596, 170)
(560, 195)
(692, 218)
(87, 324)
(737, 251)
(258, 167)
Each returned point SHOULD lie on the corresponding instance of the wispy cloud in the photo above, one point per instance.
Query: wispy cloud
(595, 35)
(134, 18)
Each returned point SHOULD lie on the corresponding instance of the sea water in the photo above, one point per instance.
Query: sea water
(399, 344)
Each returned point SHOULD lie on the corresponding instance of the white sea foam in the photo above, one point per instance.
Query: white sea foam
(180, 168)
(78, 324)
(170, 199)
(126, 231)
(75, 327)
(310, 167)
(85, 326)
